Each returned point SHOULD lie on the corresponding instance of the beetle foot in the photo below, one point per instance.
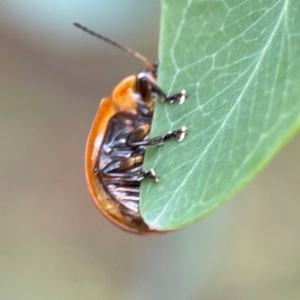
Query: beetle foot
(181, 133)
(178, 97)
(150, 174)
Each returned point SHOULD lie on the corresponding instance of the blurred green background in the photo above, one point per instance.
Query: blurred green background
(54, 244)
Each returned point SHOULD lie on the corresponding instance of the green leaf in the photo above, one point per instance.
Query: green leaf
(240, 63)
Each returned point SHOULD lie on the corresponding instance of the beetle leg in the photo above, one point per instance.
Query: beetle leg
(130, 177)
(128, 169)
(178, 97)
(138, 135)
(160, 140)
(122, 182)
(121, 167)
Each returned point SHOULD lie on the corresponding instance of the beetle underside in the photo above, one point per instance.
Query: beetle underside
(119, 166)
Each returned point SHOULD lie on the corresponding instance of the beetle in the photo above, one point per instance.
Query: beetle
(117, 143)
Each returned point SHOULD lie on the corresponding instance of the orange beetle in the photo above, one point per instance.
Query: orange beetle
(117, 142)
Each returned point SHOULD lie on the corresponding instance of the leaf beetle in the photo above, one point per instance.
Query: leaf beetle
(117, 143)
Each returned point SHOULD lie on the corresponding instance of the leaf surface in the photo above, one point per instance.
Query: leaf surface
(240, 63)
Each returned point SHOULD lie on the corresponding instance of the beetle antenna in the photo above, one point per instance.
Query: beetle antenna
(126, 49)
